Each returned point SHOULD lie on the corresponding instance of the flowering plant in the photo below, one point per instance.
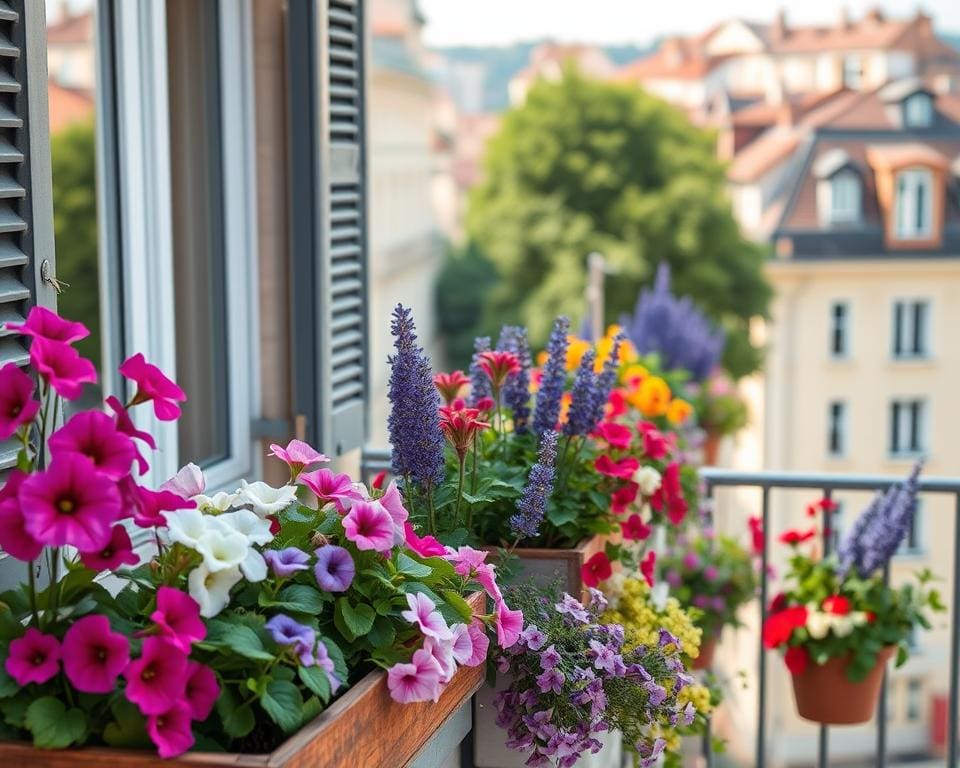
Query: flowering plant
(239, 616)
(574, 678)
(839, 606)
(720, 408)
(712, 573)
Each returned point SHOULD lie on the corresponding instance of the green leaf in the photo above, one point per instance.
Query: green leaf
(560, 515)
(478, 499)
(299, 598)
(315, 679)
(359, 619)
(336, 656)
(459, 604)
(8, 686)
(239, 638)
(382, 634)
(410, 567)
(283, 703)
(236, 715)
(54, 726)
(902, 655)
(128, 728)
(15, 710)
(23, 461)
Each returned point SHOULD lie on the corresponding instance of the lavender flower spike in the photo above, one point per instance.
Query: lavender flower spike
(479, 383)
(607, 380)
(580, 417)
(414, 422)
(553, 380)
(532, 505)
(516, 392)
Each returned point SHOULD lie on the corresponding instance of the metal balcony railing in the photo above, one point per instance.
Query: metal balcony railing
(827, 484)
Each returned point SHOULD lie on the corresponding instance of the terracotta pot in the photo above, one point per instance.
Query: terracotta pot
(707, 650)
(340, 737)
(824, 694)
(711, 449)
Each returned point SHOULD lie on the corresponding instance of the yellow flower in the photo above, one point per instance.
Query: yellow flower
(627, 353)
(678, 411)
(633, 374)
(565, 402)
(576, 349)
(542, 357)
(652, 397)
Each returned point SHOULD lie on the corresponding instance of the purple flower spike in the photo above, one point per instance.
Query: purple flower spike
(554, 379)
(516, 392)
(335, 568)
(532, 505)
(286, 562)
(479, 383)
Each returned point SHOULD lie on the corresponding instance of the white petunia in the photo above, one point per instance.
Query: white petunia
(211, 589)
(222, 549)
(188, 482)
(648, 479)
(842, 625)
(818, 624)
(186, 526)
(265, 499)
(219, 502)
(254, 567)
(256, 529)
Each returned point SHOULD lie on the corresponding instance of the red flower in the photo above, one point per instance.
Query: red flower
(486, 404)
(756, 534)
(624, 468)
(779, 626)
(797, 658)
(669, 498)
(616, 404)
(459, 427)
(778, 603)
(450, 385)
(615, 435)
(379, 480)
(654, 443)
(811, 510)
(871, 617)
(499, 366)
(623, 497)
(634, 529)
(793, 537)
(824, 505)
(836, 604)
(596, 569)
(647, 566)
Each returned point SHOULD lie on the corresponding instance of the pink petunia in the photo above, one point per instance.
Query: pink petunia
(171, 732)
(425, 546)
(655, 445)
(118, 551)
(443, 653)
(125, 424)
(17, 406)
(327, 485)
(187, 483)
(466, 560)
(615, 435)
(71, 504)
(94, 655)
(423, 612)
(392, 501)
(369, 526)
(634, 529)
(298, 455)
(418, 680)
(153, 385)
(624, 468)
(178, 618)
(149, 506)
(509, 624)
(93, 434)
(15, 540)
(481, 644)
(33, 658)
(486, 577)
(61, 366)
(201, 690)
(623, 497)
(43, 323)
(156, 681)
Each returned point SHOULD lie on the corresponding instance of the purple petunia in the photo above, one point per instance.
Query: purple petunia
(335, 568)
(286, 562)
(533, 638)
(550, 658)
(553, 380)
(287, 632)
(550, 680)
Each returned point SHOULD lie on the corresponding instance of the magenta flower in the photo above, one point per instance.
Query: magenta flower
(481, 644)
(462, 643)
(42, 323)
(418, 680)
(369, 526)
(33, 658)
(61, 366)
(335, 568)
(286, 562)
(187, 483)
(94, 435)
(70, 504)
(201, 691)
(509, 624)
(171, 732)
(15, 540)
(149, 506)
(423, 612)
(443, 653)
(178, 618)
(125, 424)
(153, 385)
(156, 681)
(485, 576)
(298, 455)
(17, 406)
(392, 501)
(327, 486)
(94, 655)
(117, 551)
(425, 546)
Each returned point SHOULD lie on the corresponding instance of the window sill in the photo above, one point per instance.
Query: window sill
(912, 360)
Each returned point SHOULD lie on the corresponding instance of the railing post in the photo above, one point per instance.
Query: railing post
(761, 751)
(954, 715)
(823, 747)
(707, 748)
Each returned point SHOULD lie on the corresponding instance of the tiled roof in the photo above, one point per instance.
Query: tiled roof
(768, 151)
(67, 105)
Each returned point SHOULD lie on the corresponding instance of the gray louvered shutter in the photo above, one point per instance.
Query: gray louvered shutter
(328, 218)
(26, 212)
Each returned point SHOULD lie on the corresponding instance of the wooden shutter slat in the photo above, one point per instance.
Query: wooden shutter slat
(10, 221)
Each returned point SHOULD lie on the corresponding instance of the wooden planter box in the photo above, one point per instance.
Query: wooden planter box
(546, 566)
(364, 728)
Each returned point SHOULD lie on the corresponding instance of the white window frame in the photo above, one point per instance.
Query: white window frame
(907, 329)
(837, 417)
(852, 73)
(907, 193)
(147, 230)
(842, 326)
(901, 448)
(918, 110)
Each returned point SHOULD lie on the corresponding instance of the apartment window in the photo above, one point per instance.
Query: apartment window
(844, 198)
(912, 543)
(839, 331)
(918, 111)
(853, 72)
(837, 428)
(907, 427)
(911, 329)
(914, 204)
(914, 705)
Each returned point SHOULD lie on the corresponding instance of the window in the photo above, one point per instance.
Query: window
(837, 428)
(918, 111)
(844, 197)
(914, 699)
(907, 427)
(853, 72)
(839, 332)
(912, 543)
(914, 204)
(910, 329)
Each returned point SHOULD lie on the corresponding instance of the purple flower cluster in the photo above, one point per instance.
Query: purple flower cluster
(607, 379)
(532, 505)
(580, 419)
(881, 528)
(554, 379)
(516, 392)
(675, 329)
(479, 383)
(414, 422)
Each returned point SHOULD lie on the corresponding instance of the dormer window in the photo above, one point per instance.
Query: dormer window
(839, 189)
(844, 198)
(913, 204)
(918, 110)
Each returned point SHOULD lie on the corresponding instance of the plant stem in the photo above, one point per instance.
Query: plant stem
(55, 583)
(473, 473)
(433, 511)
(32, 581)
(456, 515)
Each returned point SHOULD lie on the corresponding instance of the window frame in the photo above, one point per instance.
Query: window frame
(907, 201)
(903, 335)
(911, 110)
(841, 327)
(899, 422)
(852, 65)
(849, 215)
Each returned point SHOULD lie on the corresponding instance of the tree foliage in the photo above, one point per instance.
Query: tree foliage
(588, 166)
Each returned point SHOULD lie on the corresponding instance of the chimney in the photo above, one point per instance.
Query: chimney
(778, 30)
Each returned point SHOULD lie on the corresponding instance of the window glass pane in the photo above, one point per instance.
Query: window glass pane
(198, 250)
(898, 315)
(895, 427)
(919, 327)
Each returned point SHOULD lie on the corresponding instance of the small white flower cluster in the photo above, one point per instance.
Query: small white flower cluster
(648, 479)
(820, 623)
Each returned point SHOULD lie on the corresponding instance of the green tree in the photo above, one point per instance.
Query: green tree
(465, 279)
(588, 166)
(73, 160)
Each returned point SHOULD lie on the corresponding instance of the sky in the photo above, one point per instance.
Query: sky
(497, 22)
